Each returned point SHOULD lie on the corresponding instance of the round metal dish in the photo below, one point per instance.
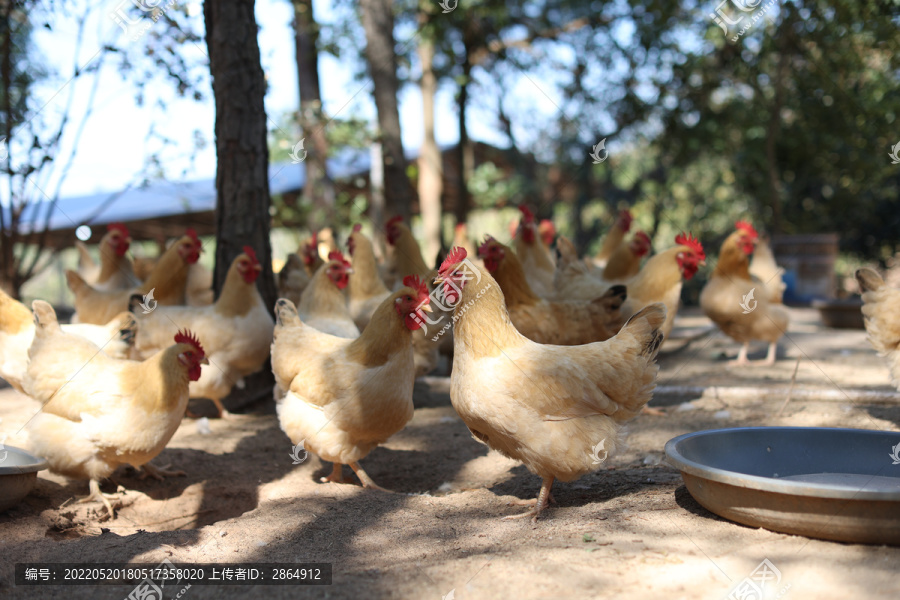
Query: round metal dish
(18, 473)
(829, 483)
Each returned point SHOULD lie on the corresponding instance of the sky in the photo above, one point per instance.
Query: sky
(113, 147)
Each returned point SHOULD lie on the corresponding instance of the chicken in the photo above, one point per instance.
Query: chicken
(341, 398)
(198, 286)
(555, 408)
(564, 323)
(625, 261)
(614, 238)
(661, 278)
(236, 331)
(739, 303)
(764, 268)
(407, 253)
(536, 259)
(365, 290)
(115, 271)
(17, 332)
(573, 279)
(101, 412)
(309, 252)
(881, 311)
(293, 278)
(164, 286)
(323, 305)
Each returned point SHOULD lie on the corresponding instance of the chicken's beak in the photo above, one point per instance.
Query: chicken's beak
(257, 267)
(205, 361)
(702, 263)
(438, 280)
(426, 307)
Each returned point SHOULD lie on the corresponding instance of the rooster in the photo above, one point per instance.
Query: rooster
(365, 290)
(547, 406)
(115, 271)
(341, 398)
(236, 331)
(17, 332)
(167, 282)
(625, 261)
(101, 412)
(881, 311)
(323, 305)
(740, 304)
(564, 323)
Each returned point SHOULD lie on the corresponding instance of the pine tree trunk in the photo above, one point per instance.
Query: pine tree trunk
(242, 183)
(318, 190)
(378, 22)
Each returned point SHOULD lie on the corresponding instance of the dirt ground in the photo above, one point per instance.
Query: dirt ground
(630, 530)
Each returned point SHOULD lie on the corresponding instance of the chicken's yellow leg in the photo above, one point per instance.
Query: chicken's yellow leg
(337, 475)
(543, 500)
(364, 478)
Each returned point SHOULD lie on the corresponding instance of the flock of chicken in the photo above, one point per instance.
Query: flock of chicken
(551, 353)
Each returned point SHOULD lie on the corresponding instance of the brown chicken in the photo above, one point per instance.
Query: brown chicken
(615, 237)
(101, 412)
(661, 278)
(574, 279)
(558, 409)
(17, 332)
(407, 253)
(739, 303)
(342, 398)
(881, 310)
(323, 305)
(563, 323)
(536, 258)
(115, 271)
(165, 286)
(625, 261)
(365, 290)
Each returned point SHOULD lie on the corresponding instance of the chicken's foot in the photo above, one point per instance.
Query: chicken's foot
(159, 473)
(364, 478)
(337, 474)
(96, 495)
(223, 413)
(770, 355)
(741, 360)
(540, 504)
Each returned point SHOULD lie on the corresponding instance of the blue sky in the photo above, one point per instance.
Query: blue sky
(113, 147)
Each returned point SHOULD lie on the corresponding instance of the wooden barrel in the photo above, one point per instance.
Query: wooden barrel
(809, 262)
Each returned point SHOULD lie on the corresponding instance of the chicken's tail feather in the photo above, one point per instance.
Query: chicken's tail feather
(286, 314)
(652, 317)
(614, 297)
(76, 282)
(127, 327)
(44, 319)
(869, 280)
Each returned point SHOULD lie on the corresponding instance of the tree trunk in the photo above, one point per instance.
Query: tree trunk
(242, 154)
(464, 151)
(378, 22)
(318, 191)
(430, 167)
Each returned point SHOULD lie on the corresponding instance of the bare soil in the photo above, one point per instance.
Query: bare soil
(630, 530)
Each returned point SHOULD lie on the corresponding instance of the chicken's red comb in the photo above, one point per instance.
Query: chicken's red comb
(686, 239)
(642, 235)
(392, 220)
(527, 215)
(357, 228)
(456, 256)
(314, 238)
(120, 227)
(338, 256)
(185, 336)
(483, 248)
(251, 253)
(747, 227)
(416, 283)
(625, 217)
(192, 233)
